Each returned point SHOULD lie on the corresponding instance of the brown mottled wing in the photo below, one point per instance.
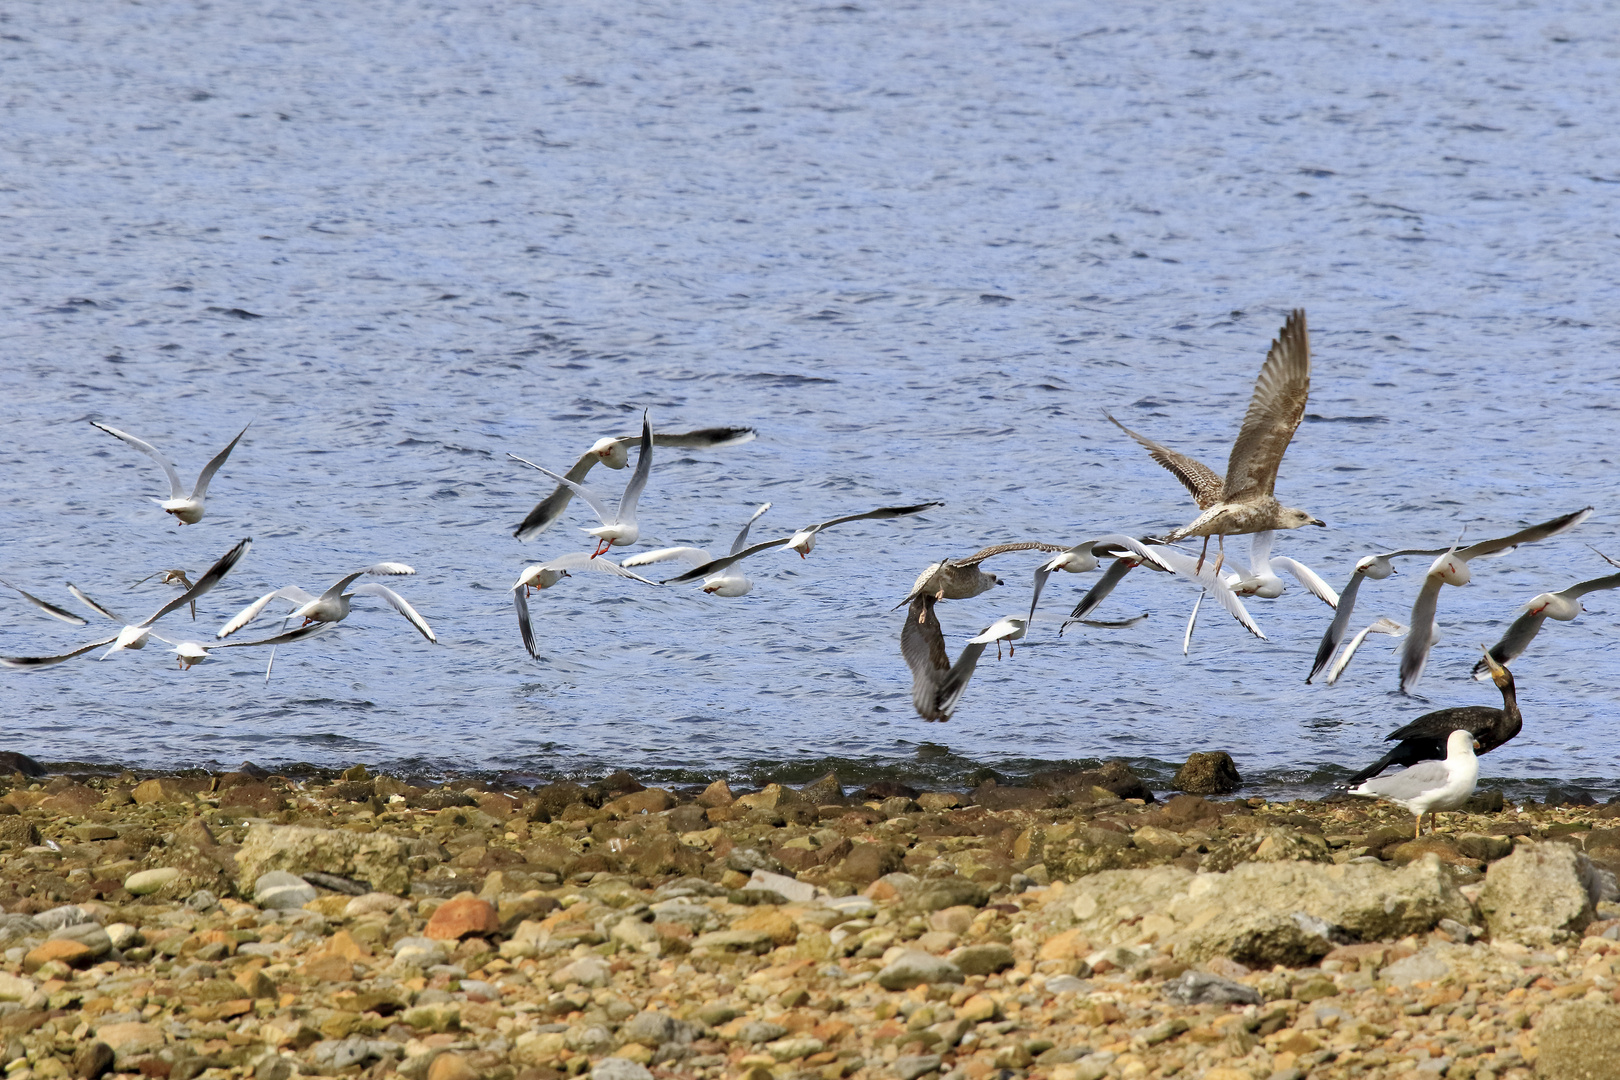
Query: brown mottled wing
(1001, 549)
(1199, 478)
(1274, 414)
(922, 643)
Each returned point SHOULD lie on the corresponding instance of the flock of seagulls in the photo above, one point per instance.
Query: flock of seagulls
(1437, 750)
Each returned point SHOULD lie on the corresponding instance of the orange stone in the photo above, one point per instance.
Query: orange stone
(345, 946)
(451, 1067)
(325, 967)
(462, 916)
(72, 953)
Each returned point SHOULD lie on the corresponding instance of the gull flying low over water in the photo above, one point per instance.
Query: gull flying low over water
(1007, 628)
(1209, 577)
(936, 683)
(1243, 502)
(133, 635)
(1452, 569)
(333, 605)
(1424, 738)
(192, 653)
(961, 579)
(1127, 552)
(1563, 606)
(544, 575)
(1127, 557)
(1261, 580)
(618, 527)
(615, 454)
(1430, 786)
(171, 577)
(187, 509)
(803, 541)
(1377, 567)
(734, 583)
(1379, 626)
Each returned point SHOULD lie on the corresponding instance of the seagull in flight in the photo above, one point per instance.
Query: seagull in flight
(618, 527)
(333, 605)
(1563, 606)
(728, 582)
(187, 509)
(544, 575)
(936, 683)
(803, 541)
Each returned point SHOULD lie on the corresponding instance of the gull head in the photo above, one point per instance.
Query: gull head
(1376, 567)
(614, 454)
(1291, 518)
(1500, 675)
(733, 585)
(1555, 607)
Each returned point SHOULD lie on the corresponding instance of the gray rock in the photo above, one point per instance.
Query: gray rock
(588, 1038)
(650, 1029)
(619, 1069)
(280, 890)
(589, 971)
(790, 889)
(760, 1031)
(1536, 895)
(378, 859)
(89, 934)
(984, 959)
(1425, 965)
(914, 1065)
(947, 892)
(421, 951)
(716, 1013)
(335, 1054)
(915, 968)
(66, 915)
(1066, 984)
(1202, 988)
(1580, 1040)
(745, 860)
(202, 901)
(145, 882)
(19, 928)
(1249, 912)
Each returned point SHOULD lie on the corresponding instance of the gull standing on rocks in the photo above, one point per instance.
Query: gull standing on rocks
(1430, 786)
(803, 541)
(333, 605)
(617, 527)
(1377, 567)
(187, 509)
(1424, 738)
(734, 583)
(1563, 606)
(936, 683)
(615, 454)
(1243, 502)
(544, 575)
(1452, 569)
(134, 635)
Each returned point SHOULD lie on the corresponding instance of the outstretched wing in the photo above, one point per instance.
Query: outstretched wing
(1415, 652)
(1099, 592)
(292, 593)
(1487, 548)
(880, 512)
(548, 510)
(47, 661)
(175, 490)
(592, 499)
(1381, 626)
(638, 480)
(703, 438)
(397, 602)
(212, 467)
(690, 555)
(388, 569)
(1001, 549)
(1309, 578)
(211, 577)
(1198, 478)
(298, 634)
(50, 609)
(714, 566)
(1336, 629)
(525, 627)
(742, 537)
(1274, 413)
(1513, 643)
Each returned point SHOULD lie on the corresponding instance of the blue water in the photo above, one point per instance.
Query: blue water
(920, 247)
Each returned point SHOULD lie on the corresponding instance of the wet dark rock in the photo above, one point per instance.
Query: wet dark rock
(13, 762)
(886, 789)
(253, 797)
(335, 883)
(824, 792)
(1211, 773)
(92, 1061)
(994, 797)
(948, 892)
(1570, 796)
(865, 863)
(1484, 848)
(442, 800)
(1484, 802)
(687, 818)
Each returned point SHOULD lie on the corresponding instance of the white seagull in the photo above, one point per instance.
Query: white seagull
(1381, 626)
(728, 582)
(1085, 557)
(134, 635)
(803, 541)
(187, 509)
(615, 454)
(191, 653)
(1377, 567)
(1562, 606)
(618, 527)
(1430, 786)
(333, 605)
(544, 575)
(1452, 569)
(1007, 628)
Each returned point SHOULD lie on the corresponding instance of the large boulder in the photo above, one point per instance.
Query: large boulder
(1537, 895)
(377, 859)
(1580, 1041)
(1263, 913)
(1212, 773)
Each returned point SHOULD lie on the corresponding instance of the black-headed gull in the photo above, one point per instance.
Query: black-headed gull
(618, 527)
(803, 541)
(1562, 606)
(936, 683)
(730, 581)
(1452, 569)
(1243, 502)
(191, 653)
(615, 454)
(187, 509)
(333, 605)
(1008, 628)
(1430, 786)
(1087, 556)
(1425, 738)
(134, 635)
(1376, 567)
(544, 575)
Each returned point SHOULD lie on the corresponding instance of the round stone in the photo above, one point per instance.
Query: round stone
(146, 882)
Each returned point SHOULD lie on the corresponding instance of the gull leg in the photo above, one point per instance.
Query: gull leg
(1205, 551)
(1010, 650)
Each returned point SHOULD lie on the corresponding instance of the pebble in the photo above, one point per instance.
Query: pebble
(603, 943)
(144, 882)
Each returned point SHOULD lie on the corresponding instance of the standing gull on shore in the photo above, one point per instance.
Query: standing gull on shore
(1424, 738)
(803, 541)
(618, 527)
(615, 454)
(1430, 786)
(187, 509)
(1563, 606)
(1244, 502)
(1452, 569)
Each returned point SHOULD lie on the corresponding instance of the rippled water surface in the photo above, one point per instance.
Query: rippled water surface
(919, 247)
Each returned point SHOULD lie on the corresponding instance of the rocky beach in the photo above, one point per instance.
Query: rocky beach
(1073, 927)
